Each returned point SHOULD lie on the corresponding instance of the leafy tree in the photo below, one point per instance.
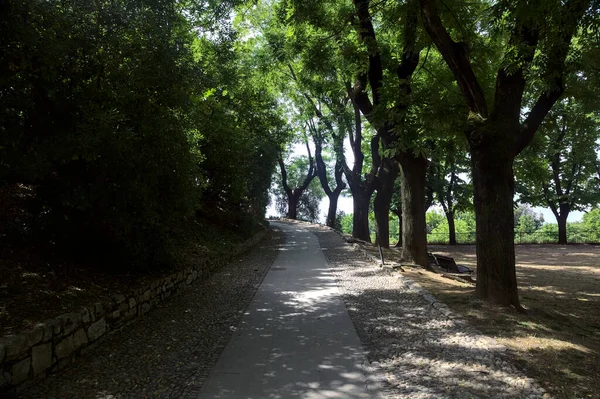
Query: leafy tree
(331, 44)
(525, 211)
(558, 169)
(533, 33)
(591, 224)
(321, 170)
(346, 224)
(453, 194)
(95, 123)
(434, 219)
(126, 120)
(295, 179)
(386, 116)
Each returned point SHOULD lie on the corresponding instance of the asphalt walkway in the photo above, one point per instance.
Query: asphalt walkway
(296, 339)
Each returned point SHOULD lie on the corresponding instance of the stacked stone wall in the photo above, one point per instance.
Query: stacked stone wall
(54, 344)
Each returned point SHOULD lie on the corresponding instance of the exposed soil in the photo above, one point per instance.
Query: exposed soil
(558, 340)
(36, 285)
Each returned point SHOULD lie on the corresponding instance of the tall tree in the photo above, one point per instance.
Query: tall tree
(453, 193)
(387, 119)
(558, 169)
(497, 135)
(321, 170)
(303, 172)
(382, 203)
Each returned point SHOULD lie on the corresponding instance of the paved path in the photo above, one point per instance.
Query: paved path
(296, 339)
(231, 336)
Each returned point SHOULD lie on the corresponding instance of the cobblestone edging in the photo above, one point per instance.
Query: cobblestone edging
(408, 284)
(54, 344)
(425, 350)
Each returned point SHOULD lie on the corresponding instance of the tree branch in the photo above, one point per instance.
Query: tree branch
(510, 84)
(284, 182)
(571, 14)
(366, 34)
(455, 55)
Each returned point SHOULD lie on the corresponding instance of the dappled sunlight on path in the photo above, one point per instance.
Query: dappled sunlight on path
(296, 339)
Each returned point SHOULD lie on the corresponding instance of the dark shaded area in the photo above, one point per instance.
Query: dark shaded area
(170, 351)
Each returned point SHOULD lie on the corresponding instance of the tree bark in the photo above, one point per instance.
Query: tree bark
(451, 228)
(332, 211)
(562, 229)
(292, 212)
(388, 172)
(360, 217)
(414, 230)
(493, 183)
(561, 219)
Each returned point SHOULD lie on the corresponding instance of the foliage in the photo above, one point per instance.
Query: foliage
(438, 228)
(559, 169)
(308, 203)
(121, 121)
(346, 223)
(529, 216)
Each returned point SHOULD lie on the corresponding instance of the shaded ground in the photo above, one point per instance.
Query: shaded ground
(558, 341)
(35, 286)
(38, 282)
(169, 352)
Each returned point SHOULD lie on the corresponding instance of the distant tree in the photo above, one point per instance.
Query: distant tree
(448, 163)
(321, 168)
(591, 223)
(295, 179)
(559, 169)
(525, 212)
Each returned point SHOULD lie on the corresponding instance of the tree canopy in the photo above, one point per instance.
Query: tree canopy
(124, 125)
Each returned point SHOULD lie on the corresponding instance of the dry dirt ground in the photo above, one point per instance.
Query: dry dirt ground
(558, 341)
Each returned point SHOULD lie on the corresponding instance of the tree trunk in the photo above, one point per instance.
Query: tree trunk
(332, 211)
(561, 219)
(360, 218)
(493, 183)
(292, 212)
(451, 228)
(414, 231)
(388, 173)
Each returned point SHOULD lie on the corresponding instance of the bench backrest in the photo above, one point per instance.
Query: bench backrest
(446, 262)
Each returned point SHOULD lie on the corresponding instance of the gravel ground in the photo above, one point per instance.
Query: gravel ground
(169, 352)
(419, 348)
(422, 349)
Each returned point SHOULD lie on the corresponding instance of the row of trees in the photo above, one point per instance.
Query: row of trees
(122, 121)
(529, 227)
(125, 123)
(412, 87)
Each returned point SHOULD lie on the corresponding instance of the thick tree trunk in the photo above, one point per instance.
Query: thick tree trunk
(360, 218)
(383, 199)
(332, 211)
(493, 182)
(292, 212)
(451, 228)
(414, 231)
(561, 219)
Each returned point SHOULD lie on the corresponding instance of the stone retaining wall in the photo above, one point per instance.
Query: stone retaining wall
(54, 344)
